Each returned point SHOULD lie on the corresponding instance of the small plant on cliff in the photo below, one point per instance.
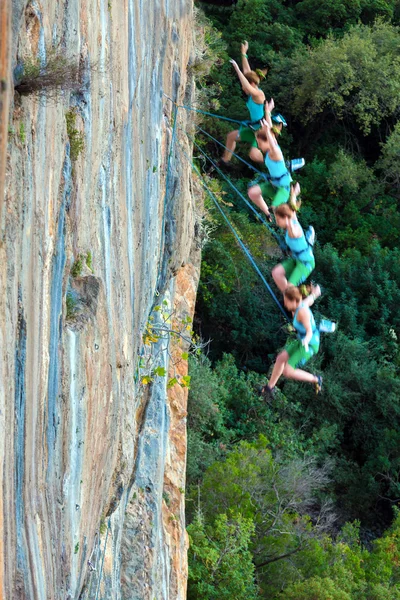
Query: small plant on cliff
(209, 53)
(49, 76)
(76, 550)
(80, 261)
(157, 338)
(76, 269)
(209, 47)
(71, 306)
(89, 261)
(103, 526)
(76, 137)
(22, 133)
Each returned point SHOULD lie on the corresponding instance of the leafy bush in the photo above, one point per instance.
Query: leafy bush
(51, 76)
(76, 137)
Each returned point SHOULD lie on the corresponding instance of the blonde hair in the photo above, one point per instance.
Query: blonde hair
(252, 77)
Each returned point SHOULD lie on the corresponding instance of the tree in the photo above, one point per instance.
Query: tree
(220, 564)
(355, 78)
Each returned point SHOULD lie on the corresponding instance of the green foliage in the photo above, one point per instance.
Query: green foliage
(76, 137)
(389, 163)
(76, 269)
(22, 133)
(351, 572)
(355, 78)
(232, 300)
(89, 260)
(71, 304)
(335, 76)
(209, 48)
(317, 18)
(56, 73)
(220, 562)
(103, 526)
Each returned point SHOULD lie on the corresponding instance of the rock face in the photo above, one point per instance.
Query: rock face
(5, 21)
(92, 461)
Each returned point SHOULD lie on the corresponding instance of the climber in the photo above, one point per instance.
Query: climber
(278, 123)
(298, 352)
(250, 81)
(277, 186)
(295, 269)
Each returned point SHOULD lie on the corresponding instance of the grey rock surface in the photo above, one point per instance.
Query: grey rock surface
(89, 244)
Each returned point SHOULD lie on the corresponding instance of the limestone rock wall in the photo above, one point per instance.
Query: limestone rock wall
(92, 462)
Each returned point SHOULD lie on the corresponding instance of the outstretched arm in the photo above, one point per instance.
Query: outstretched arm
(275, 152)
(315, 293)
(255, 93)
(245, 63)
(269, 107)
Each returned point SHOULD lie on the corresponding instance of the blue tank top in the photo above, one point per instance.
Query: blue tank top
(280, 176)
(299, 247)
(256, 111)
(301, 330)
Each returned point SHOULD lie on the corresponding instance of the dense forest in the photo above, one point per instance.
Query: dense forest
(297, 497)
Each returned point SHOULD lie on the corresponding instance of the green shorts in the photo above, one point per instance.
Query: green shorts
(297, 272)
(246, 134)
(298, 356)
(278, 195)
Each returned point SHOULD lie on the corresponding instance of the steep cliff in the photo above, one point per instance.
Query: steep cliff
(92, 462)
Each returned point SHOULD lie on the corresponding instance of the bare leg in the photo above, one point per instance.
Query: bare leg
(279, 366)
(256, 155)
(230, 144)
(298, 374)
(279, 276)
(255, 196)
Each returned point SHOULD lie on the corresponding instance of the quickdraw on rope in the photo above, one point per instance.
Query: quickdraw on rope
(243, 247)
(280, 241)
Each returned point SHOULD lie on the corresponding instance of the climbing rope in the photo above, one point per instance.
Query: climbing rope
(214, 199)
(259, 173)
(280, 241)
(238, 239)
(203, 112)
(244, 122)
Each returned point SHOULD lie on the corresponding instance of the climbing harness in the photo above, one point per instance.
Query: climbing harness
(309, 239)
